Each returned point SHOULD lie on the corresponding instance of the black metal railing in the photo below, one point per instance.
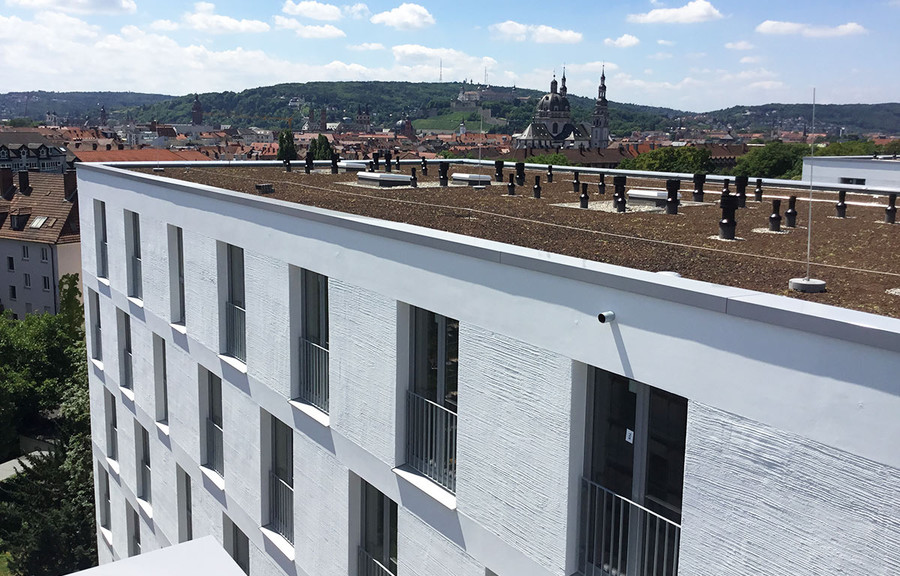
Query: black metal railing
(313, 375)
(431, 440)
(235, 331)
(281, 507)
(215, 458)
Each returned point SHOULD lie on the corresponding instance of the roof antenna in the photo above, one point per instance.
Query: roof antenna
(808, 284)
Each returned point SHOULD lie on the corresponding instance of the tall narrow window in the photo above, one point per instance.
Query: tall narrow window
(431, 400)
(133, 253)
(185, 505)
(112, 433)
(142, 451)
(127, 368)
(134, 530)
(378, 552)
(96, 331)
(314, 340)
(161, 379)
(100, 239)
(104, 508)
(176, 274)
(235, 314)
(45, 254)
(214, 435)
(27, 278)
(25, 252)
(281, 480)
(237, 544)
(10, 264)
(634, 476)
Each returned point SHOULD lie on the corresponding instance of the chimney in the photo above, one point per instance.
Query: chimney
(24, 188)
(7, 187)
(70, 184)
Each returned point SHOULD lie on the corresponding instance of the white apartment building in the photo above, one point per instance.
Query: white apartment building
(330, 394)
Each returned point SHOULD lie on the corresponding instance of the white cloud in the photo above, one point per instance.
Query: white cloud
(691, 13)
(540, 34)
(750, 60)
(306, 31)
(596, 67)
(356, 11)
(366, 47)
(776, 27)
(766, 85)
(164, 25)
(312, 10)
(204, 19)
(660, 56)
(665, 42)
(405, 17)
(78, 6)
(623, 41)
(740, 45)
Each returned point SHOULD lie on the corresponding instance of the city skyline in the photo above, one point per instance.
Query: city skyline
(695, 55)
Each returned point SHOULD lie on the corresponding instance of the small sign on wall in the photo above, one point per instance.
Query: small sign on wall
(629, 435)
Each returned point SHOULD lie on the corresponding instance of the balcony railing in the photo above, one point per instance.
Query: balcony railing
(136, 278)
(281, 506)
(145, 482)
(313, 375)
(621, 538)
(103, 263)
(112, 443)
(127, 369)
(235, 331)
(369, 566)
(431, 440)
(214, 455)
(98, 343)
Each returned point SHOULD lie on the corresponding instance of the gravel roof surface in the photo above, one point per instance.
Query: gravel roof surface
(856, 256)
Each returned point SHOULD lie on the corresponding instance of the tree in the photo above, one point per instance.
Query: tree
(556, 159)
(774, 160)
(684, 159)
(286, 148)
(321, 148)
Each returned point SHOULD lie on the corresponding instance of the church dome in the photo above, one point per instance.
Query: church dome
(553, 102)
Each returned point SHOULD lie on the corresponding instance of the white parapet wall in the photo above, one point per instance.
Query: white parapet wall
(771, 382)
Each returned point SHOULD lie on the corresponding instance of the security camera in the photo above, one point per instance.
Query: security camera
(605, 317)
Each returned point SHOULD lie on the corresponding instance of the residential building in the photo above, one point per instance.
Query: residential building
(39, 239)
(350, 395)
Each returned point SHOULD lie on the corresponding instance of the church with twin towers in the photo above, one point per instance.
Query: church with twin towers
(552, 126)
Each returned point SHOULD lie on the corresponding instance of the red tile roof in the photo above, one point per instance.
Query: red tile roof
(49, 217)
(142, 155)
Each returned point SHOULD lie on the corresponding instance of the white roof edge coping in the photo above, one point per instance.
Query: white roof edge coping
(833, 321)
(384, 176)
(200, 556)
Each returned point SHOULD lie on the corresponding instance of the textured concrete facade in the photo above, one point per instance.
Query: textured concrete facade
(528, 332)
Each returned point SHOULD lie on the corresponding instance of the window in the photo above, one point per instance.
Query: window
(112, 434)
(857, 181)
(235, 314)
(313, 386)
(46, 283)
(12, 292)
(431, 399)
(37, 222)
(104, 508)
(45, 254)
(133, 254)
(214, 457)
(27, 278)
(185, 513)
(126, 359)
(96, 331)
(237, 544)
(142, 454)
(134, 530)
(176, 274)
(281, 479)
(378, 549)
(100, 239)
(634, 476)
(161, 379)
(10, 264)
(24, 252)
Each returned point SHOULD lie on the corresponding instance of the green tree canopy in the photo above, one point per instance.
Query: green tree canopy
(556, 159)
(286, 148)
(774, 160)
(321, 148)
(685, 159)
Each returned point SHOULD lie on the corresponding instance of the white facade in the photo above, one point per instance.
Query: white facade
(791, 462)
(882, 172)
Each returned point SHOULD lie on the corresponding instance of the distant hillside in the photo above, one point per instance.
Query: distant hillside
(76, 105)
(830, 118)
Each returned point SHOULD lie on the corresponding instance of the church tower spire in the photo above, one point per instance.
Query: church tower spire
(562, 89)
(600, 123)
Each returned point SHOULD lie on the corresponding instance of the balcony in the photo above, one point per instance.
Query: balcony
(281, 507)
(145, 482)
(235, 331)
(103, 261)
(136, 278)
(127, 370)
(98, 343)
(214, 449)
(313, 375)
(621, 538)
(431, 440)
(369, 566)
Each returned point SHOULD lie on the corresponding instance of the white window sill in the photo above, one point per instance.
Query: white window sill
(426, 485)
(311, 411)
(146, 507)
(113, 465)
(234, 363)
(139, 302)
(180, 328)
(97, 363)
(127, 392)
(104, 281)
(213, 477)
(279, 542)
(107, 535)
(163, 427)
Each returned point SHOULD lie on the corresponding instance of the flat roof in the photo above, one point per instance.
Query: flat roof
(856, 255)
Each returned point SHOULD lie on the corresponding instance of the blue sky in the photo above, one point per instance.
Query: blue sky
(693, 55)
